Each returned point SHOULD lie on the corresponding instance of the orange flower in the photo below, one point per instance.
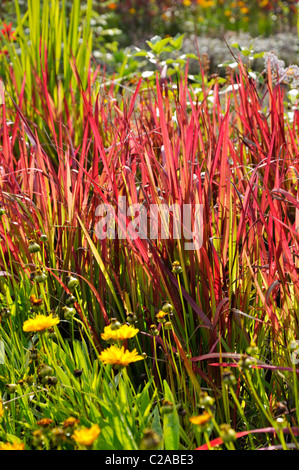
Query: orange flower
(70, 422)
(200, 420)
(86, 436)
(44, 422)
(35, 302)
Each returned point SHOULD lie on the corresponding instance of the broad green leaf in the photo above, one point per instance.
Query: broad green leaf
(171, 422)
(177, 41)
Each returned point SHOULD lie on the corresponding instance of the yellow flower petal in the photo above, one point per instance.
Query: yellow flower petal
(201, 419)
(14, 446)
(122, 333)
(86, 436)
(119, 356)
(40, 323)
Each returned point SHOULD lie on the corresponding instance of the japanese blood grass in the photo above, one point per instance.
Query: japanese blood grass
(235, 156)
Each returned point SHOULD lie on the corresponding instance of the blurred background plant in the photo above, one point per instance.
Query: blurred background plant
(121, 24)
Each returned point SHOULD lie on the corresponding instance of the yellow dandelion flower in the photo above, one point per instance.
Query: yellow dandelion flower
(201, 419)
(40, 323)
(14, 446)
(119, 356)
(187, 3)
(86, 436)
(122, 333)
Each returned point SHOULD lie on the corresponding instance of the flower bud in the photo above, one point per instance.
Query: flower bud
(245, 362)
(168, 325)
(252, 350)
(33, 247)
(227, 433)
(205, 400)
(11, 388)
(131, 318)
(44, 370)
(153, 330)
(69, 312)
(40, 276)
(228, 377)
(70, 299)
(38, 438)
(33, 354)
(176, 267)
(58, 436)
(72, 282)
(52, 380)
(281, 422)
(150, 440)
(115, 324)
(167, 307)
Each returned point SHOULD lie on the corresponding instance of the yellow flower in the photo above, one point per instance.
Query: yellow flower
(132, 11)
(86, 436)
(187, 3)
(40, 323)
(161, 316)
(244, 10)
(14, 446)
(205, 3)
(1, 409)
(122, 333)
(201, 419)
(119, 356)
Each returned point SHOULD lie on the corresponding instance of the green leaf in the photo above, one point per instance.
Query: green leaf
(158, 46)
(171, 423)
(257, 55)
(177, 41)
